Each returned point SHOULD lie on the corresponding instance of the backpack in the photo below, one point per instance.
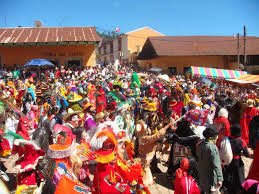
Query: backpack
(225, 152)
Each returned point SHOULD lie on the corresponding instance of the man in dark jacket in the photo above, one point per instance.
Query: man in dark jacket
(209, 165)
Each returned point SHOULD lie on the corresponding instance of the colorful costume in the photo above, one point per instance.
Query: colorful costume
(222, 125)
(248, 115)
(62, 172)
(106, 179)
(130, 170)
(185, 183)
(30, 154)
(100, 99)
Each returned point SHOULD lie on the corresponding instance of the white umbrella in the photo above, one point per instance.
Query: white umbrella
(142, 74)
(164, 77)
(155, 69)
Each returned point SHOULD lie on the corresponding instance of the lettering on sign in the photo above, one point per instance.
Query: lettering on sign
(49, 54)
(74, 54)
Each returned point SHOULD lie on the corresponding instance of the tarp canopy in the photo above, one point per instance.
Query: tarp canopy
(246, 79)
(214, 73)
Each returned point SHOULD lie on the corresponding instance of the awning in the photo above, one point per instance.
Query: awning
(214, 73)
(246, 79)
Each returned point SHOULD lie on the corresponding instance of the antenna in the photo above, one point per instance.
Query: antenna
(5, 21)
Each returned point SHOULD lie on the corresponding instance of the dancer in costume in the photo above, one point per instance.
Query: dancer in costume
(106, 179)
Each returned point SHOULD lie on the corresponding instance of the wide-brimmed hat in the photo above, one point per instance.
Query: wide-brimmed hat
(64, 147)
(149, 106)
(107, 152)
(196, 101)
(30, 154)
(75, 97)
(99, 115)
(84, 151)
(250, 103)
(173, 103)
(71, 112)
(87, 105)
(129, 92)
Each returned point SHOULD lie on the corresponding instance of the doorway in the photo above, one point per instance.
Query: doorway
(55, 62)
(74, 63)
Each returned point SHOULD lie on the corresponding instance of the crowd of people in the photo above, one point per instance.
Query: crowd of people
(103, 130)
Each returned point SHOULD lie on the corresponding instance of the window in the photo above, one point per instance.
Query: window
(104, 47)
(185, 69)
(74, 63)
(111, 46)
(119, 44)
(251, 60)
(233, 58)
(172, 70)
(55, 62)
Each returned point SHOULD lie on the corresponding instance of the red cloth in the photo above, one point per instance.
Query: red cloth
(106, 180)
(254, 172)
(177, 108)
(129, 173)
(26, 178)
(4, 147)
(223, 126)
(23, 127)
(100, 101)
(57, 74)
(185, 184)
(248, 115)
(29, 156)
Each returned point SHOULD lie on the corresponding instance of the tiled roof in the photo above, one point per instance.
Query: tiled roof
(197, 45)
(46, 35)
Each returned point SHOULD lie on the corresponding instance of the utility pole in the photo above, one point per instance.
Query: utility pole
(245, 46)
(238, 57)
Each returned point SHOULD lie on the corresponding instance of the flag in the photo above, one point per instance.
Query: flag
(117, 29)
(197, 116)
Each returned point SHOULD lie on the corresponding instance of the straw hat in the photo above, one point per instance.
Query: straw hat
(71, 112)
(250, 103)
(99, 115)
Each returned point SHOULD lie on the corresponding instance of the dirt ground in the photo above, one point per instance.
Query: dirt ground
(162, 183)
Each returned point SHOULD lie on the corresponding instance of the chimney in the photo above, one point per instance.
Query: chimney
(38, 24)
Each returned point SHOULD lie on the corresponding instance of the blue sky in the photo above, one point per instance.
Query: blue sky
(170, 17)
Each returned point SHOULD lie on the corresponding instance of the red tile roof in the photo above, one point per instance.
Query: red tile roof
(197, 45)
(46, 35)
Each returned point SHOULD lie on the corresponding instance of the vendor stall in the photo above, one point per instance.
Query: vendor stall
(214, 73)
(246, 79)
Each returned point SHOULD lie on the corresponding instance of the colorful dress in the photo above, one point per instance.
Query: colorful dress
(65, 180)
(248, 115)
(106, 181)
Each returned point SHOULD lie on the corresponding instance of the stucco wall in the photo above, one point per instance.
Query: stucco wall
(138, 38)
(21, 55)
(184, 61)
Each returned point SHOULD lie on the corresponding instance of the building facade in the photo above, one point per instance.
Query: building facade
(63, 46)
(125, 47)
(176, 54)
